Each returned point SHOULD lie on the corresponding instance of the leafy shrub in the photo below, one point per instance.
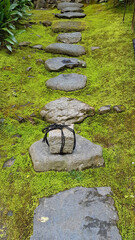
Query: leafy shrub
(10, 14)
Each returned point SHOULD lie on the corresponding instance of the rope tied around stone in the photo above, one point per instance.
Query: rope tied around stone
(55, 126)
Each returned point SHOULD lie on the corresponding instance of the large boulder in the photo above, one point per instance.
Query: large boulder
(67, 49)
(70, 26)
(77, 214)
(66, 110)
(85, 155)
(60, 63)
(67, 82)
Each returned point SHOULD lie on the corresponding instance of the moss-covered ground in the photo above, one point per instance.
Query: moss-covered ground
(111, 76)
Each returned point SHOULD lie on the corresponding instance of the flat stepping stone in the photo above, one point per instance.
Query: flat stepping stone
(69, 37)
(77, 214)
(67, 82)
(60, 63)
(70, 15)
(71, 9)
(67, 49)
(85, 155)
(62, 5)
(66, 110)
(70, 26)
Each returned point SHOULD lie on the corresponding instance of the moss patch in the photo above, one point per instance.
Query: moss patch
(110, 72)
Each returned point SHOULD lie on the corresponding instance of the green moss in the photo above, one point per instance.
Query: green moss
(110, 80)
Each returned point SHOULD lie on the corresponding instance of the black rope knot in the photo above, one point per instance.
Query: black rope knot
(60, 127)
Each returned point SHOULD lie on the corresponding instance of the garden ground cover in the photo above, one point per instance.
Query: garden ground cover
(110, 75)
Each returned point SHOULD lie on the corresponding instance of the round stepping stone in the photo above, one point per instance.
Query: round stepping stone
(66, 110)
(62, 5)
(69, 26)
(69, 37)
(67, 49)
(60, 63)
(77, 214)
(71, 9)
(70, 15)
(67, 82)
(85, 155)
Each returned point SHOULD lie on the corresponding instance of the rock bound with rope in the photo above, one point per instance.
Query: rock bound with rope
(61, 139)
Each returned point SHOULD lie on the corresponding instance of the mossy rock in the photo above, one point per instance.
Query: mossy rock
(69, 26)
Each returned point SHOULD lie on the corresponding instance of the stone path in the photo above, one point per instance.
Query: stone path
(77, 214)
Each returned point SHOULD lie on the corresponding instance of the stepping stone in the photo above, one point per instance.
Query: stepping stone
(77, 214)
(70, 15)
(85, 155)
(70, 26)
(62, 5)
(67, 82)
(60, 63)
(67, 49)
(71, 9)
(69, 37)
(24, 44)
(38, 46)
(66, 110)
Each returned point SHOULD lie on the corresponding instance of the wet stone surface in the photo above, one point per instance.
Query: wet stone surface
(67, 82)
(67, 49)
(60, 63)
(85, 155)
(70, 15)
(78, 213)
(66, 110)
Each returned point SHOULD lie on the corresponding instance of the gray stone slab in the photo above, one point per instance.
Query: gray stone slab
(67, 82)
(62, 5)
(69, 26)
(69, 37)
(66, 110)
(60, 63)
(77, 214)
(38, 46)
(70, 15)
(85, 155)
(71, 9)
(67, 49)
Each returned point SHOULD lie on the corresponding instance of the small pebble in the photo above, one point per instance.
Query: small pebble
(28, 69)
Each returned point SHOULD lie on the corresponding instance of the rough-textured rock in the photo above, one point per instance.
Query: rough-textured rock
(70, 15)
(69, 26)
(24, 44)
(60, 63)
(71, 9)
(119, 108)
(69, 37)
(104, 109)
(40, 4)
(47, 23)
(77, 214)
(67, 82)
(62, 5)
(67, 49)
(38, 46)
(9, 162)
(55, 142)
(85, 155)
(66, 110)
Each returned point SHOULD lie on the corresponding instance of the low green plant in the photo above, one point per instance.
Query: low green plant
(10, 14)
